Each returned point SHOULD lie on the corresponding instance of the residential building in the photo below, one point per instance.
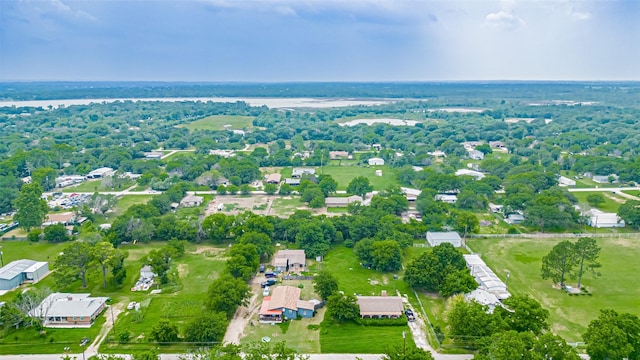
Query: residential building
(65, 218)
(437, 153)
(335, 155)
(376, 162)
(289, 260)
(191, 200)
(299, 172)
(292, 181)
(605, 179)
(475, 155)
(378, 307)
(447, 198)
(376, 147)
(485, 277)
(565, 181)
(342, 201)
(411, 194)
(100, 173)
(435, 238)
(599, 219)
(284, 304)
(466, 172)
(22, 271)
(69, 310)
(273, 179)
(222, 153)
(154, 155)
(485, 298)
(496, 144)
(495, 208)
(514, 219)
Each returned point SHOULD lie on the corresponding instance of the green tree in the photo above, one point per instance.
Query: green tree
(35, 235)
(325, 284)
(587, 252)
(261, 241)
(524, 314)
(160, 262)
(271, 189)
(484, 148)
(327, 184)
(469, 322)
(595, 199)
(118, 270)
(506, 345)
(630, 213)
(613, 336)
(103, 254)
(457, 282)
(412, 353)
(45, 176)
(310, 238)
(164, 332)
(56, 233)
(343, 307)
(285, 189)
(386, 255)
(431, 270)
(359, 186)
(218, 227)
(226, 293)
(243, 261)
(206, 328)
(31, 209)
(559, 262)
(550, 346)
(74, 262)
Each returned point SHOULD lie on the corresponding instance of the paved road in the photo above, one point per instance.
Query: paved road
(177, 357)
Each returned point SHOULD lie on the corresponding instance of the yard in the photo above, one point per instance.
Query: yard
(357, 339)
(611, 204)
(569, 315)
(217, 122)
(344, 174)
(97, 185)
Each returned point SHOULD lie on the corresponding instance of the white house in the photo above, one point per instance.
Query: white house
(604, 179)
(514, 219)
(191, 201)
(476, 155)
(436, 238)
(565, 181)
(446, 198)
(100, 173)
(485, 298)
(599, 219)
(376, 161)
(466, 172)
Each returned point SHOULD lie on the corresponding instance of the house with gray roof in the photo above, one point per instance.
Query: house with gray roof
(435, 238)
(380, 306)
(69, 310)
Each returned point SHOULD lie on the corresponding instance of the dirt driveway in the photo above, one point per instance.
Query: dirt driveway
(241, 318)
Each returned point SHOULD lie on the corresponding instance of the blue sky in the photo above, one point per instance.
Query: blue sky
(319, 40)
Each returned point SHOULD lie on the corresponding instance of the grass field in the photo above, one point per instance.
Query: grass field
(217, 122)
(569, 315)
(632, 192)
(96, 185)
(353, 338)
(344, 174)
(611, 204)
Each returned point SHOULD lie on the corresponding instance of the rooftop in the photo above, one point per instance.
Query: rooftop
(65, 304)
(15, 268)
(446, 235)
(284, 297)
(380, 305)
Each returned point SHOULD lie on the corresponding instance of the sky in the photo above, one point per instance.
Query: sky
(319, 40)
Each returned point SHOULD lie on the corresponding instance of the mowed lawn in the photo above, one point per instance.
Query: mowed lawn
(344, 174)
(217, 122)
(611, 204)
(616, 288)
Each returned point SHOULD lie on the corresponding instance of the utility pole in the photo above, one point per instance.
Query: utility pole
(404, 343)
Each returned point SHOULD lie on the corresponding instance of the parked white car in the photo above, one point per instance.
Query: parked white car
(265, 292)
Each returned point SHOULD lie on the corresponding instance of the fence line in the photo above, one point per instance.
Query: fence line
(552, 236)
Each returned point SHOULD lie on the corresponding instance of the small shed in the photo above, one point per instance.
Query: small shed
(191, 201)
(376, 162)
(274, 179)
(436, 238)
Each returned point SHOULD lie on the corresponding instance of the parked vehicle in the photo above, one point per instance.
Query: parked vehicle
(410, 315)
(271, 275)
(265, 292)
(261, 268)
(269, 282)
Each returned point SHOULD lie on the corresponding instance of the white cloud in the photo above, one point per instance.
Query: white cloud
(504, 20)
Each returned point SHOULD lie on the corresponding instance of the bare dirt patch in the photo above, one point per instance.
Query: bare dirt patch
(207, 249)
(183, 270)
(235, 204)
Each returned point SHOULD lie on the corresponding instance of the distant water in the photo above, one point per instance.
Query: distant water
(277, 103)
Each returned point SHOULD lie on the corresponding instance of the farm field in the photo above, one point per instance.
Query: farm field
(217, 122)
(616, 288)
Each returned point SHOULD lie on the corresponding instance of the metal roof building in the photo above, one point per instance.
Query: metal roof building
(485, 277)
(17, 272)
(435, 238)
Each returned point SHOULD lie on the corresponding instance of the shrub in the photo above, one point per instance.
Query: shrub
(401, 321)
